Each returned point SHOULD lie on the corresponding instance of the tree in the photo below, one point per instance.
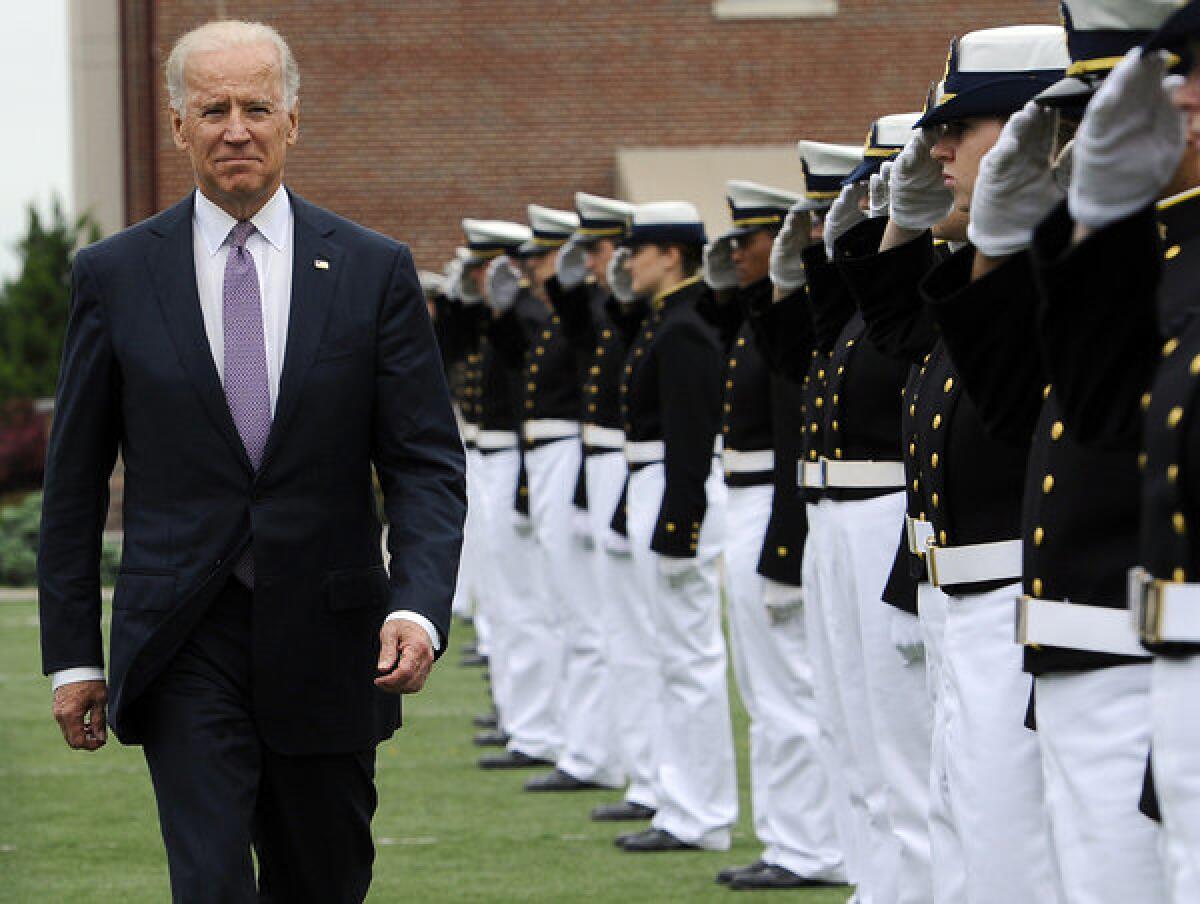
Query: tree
(33, 307)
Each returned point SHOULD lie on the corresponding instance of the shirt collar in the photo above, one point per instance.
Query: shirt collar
(271, 221)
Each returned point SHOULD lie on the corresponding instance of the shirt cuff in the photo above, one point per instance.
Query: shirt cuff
(74, 676)
(417, 618)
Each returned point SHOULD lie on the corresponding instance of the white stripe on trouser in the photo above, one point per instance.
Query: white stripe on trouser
(793, 811)
(695, 779)
(949, 876)
(530, 652)
(877, 883)
(589, 747)
(897, 695)
(1094, 732)
(634, 682)
(1175, 687)
(468, 570)
(833, 743)
(993, 766)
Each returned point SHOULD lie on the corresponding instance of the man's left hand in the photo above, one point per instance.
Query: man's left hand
(405, 657)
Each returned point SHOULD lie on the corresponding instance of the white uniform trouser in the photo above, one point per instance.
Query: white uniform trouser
(833, 743)
(696, 779)
(859, 532)
(634, 681)
(793, 811)
(528, 658)
(588, 742)
(1176, 752)
(949, 871)
(993, 765)
(1094, 732)
(896, 690)
(472, 562)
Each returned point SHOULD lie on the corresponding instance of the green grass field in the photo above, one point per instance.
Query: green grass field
(81, 827)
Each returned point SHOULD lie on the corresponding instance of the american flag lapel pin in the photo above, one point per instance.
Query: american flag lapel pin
(321, 264)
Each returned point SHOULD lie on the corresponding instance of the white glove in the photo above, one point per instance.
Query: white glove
(620, 280)
(469, 289)
(844, 215)
(879, 191)
(677, 572)
(719, 271)
(571, 265)
(907, 637)
(787, 266)
(919, 198)
(1128, 145)
(784, 602)
(1015, 189)
(503, 284)
(453, 277)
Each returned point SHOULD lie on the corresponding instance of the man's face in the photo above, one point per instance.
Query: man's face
(540, 267)
(596, 256)
(752, 256)
(959, 148)
(234, 125)
(650, 267)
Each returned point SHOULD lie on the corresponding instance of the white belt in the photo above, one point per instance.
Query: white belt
(1164, 611)
(1073, 626)
(646, 452)
(811, 475)
(759, 460)
(469, 432)
(603, 437)
(537, 431)
(863, 475)
(919, 534)
(495, 440)
(972, 564)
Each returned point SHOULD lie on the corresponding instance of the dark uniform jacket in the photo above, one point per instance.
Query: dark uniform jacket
(671, 393)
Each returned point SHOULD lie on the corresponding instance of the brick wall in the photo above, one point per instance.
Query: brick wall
(415, 113)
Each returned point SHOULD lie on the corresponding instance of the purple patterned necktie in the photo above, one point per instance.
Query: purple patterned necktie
(246, 386)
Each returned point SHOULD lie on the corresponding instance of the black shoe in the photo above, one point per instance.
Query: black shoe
(727, 875)
(772, 876)
(486, 720)
(625, 811)
(493, 738)
(512, 759)
(474, 661)
(559, 781)
(652, 841)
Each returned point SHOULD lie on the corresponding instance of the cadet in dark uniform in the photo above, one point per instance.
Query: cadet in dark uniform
(793, 816)
(671, 402)
(969, 484)
(1119, 277)
(529, 333)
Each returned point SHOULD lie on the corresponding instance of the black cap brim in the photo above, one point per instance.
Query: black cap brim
(1002, 97)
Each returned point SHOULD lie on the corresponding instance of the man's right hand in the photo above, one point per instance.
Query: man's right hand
(79, 709)
(918, 194)
(786, 265)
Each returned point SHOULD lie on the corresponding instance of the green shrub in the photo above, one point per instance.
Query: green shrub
(19, 543)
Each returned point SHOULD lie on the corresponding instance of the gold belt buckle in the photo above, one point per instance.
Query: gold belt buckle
(931, 561)
(1146, 595)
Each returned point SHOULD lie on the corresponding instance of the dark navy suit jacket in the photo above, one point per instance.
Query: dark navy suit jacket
(361, 386)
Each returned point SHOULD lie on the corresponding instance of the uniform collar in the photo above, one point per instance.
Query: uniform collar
(271, 221)
(660, 300)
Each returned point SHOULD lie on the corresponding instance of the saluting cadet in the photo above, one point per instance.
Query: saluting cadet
(671, 402)
(1121, 276)
(526, 664)
(793, 818)
(1080, 508)
(969, 484)
(600, 327)
(529, 333)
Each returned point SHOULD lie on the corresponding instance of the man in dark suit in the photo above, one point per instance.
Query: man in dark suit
(253, 358)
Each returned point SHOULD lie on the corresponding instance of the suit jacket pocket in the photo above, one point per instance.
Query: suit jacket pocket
(355, 588)
(144, 590)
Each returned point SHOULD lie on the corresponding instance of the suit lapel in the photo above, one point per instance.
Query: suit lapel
(173, 268)
(313, 288)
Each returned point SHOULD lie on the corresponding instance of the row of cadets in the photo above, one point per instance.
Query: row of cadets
(600, 322)
(994, 845)
(675, 512)
(526, 652)
(761, 426)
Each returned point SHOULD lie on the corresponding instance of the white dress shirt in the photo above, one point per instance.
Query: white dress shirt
(270, 245)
